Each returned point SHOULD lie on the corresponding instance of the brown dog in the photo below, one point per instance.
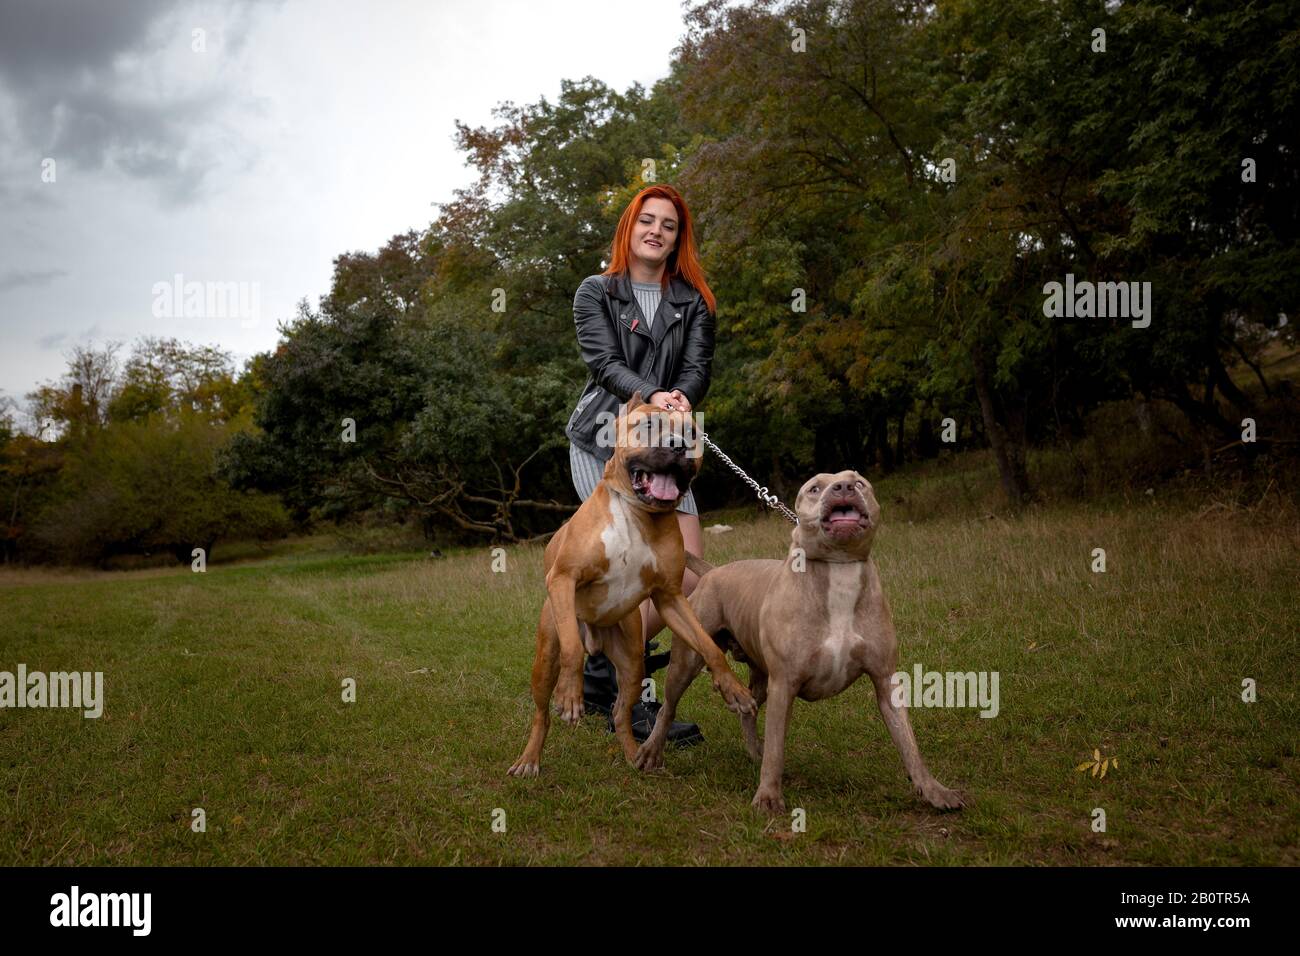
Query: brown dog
(806, 633)
(620, 547)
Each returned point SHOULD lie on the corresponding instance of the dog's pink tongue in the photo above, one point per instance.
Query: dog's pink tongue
(845, 517)
(663, 487)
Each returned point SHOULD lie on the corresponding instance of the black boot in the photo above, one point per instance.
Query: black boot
(683, 733)
(600, 681)
(600, 690)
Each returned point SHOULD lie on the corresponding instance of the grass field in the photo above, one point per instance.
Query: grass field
(224, 692)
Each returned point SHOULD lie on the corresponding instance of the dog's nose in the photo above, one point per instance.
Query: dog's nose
(842, 486)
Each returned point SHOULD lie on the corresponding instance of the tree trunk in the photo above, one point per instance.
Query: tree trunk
(1203, 414)
(898, 446)
(925, 445)
(1008, 443)
(1229, 388)
(880, 439)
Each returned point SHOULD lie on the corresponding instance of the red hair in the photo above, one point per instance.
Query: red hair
(683, 261)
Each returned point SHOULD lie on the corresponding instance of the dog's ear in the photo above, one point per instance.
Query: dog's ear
(635, 401)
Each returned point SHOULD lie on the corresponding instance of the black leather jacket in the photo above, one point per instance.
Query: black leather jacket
(677, 352)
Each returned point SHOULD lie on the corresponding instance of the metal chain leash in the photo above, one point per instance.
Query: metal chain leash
(771, 500)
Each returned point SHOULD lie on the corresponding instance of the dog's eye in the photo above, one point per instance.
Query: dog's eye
(861, 484)
(813, 489)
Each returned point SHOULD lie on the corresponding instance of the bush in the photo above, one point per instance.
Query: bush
(148, 486)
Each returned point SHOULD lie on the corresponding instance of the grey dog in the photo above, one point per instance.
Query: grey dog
(808, 626)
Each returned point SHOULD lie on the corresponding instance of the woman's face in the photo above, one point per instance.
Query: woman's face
(654, 236)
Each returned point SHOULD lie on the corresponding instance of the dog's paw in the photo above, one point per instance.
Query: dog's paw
(568, 702)
(739, 699)
(768, 801)
(570, 711)
(940, 797)
(648, 757)
(524, 768)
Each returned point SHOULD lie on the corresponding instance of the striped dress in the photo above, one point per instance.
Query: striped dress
(587, 468)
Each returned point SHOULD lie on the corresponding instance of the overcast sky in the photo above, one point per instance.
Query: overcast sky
(302, 129)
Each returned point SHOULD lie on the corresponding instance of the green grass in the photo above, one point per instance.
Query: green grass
(224, 692)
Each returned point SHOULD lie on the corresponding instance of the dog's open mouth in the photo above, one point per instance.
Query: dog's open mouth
(844, 519)
(655, 486)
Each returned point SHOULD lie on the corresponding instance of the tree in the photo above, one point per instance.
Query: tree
(148, 485)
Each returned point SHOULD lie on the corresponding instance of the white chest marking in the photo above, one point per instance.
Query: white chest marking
(627, 553)
(842, 595)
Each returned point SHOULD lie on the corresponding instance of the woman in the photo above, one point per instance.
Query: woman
(645, 323)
